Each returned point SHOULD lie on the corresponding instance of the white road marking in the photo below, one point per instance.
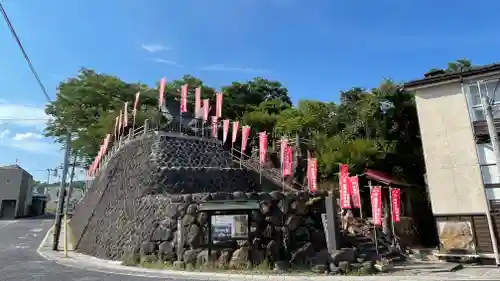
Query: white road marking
(22, 246)
(36, 230)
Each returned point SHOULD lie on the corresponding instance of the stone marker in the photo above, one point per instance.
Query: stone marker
(330, 224)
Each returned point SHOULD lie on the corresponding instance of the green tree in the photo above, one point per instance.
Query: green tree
(242, 97)
(88, 105)
(459, 65)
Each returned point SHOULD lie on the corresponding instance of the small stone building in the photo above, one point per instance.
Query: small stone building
(15, 192)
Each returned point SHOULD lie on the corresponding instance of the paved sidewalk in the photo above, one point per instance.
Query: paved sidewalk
(417, 271)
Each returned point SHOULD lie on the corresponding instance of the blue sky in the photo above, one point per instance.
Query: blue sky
(315, 48)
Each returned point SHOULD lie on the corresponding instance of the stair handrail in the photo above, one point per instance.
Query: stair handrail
(276, 177)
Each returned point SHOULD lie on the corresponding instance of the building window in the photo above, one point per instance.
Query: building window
(487, 163)
(474, 98)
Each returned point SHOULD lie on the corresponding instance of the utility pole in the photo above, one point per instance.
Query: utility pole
(48, 176)
(496, 150)
(62, 189)
(70, 189)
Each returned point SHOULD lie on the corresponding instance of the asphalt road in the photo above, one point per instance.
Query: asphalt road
(19, 260)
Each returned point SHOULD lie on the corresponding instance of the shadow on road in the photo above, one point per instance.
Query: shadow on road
(41, 217)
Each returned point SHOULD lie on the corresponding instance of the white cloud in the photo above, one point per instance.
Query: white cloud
(34, 146)
(221, 67)
(154, 48)
(4, 134)
(16, 116)
(23, 115)
(164, 61)
(25, 136)
(31, 142)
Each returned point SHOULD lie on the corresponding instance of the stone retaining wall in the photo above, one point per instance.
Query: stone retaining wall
(133, 192)
(287, 227)
(172, 150)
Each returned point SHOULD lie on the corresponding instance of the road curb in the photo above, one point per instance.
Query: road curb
(81, 261)
(44, 240)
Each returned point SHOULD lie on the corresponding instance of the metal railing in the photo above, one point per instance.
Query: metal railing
(116, 145)
(192, 127)
(251, 162)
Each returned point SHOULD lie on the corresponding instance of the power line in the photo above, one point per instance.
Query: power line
(25, 119)
(13, 31)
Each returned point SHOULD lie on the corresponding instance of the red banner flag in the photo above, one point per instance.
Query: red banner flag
(235, 130)
(105, 145)
(116, 127)
(245, 133)
(218, 105)
(344, 187)
(206, 109)
(214, 126)
(284, 160)
(262, 147)
(136, 103)
(102, 150)
(99, 154)
(120, 122)
(125, 115)
(184, 92)
(355, 196)
(308, 157)
(197, 101)
(134, 111)
(312, 166)
(225, 129)
(396, 204)
(289, 160)
(162, 91)
(376, 200)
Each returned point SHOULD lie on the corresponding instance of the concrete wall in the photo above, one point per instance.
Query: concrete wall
(10, 184)
(25, 194)
(453, 173)
(15, 184)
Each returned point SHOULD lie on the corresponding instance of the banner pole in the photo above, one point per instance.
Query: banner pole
(283, 153)
(360, 205)
(373, 221)
(392, 218)
(180, 124)
(260, 172)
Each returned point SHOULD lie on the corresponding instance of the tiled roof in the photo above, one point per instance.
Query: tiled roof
(447, 76)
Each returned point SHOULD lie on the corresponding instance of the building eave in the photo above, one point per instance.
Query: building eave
(453, 77)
